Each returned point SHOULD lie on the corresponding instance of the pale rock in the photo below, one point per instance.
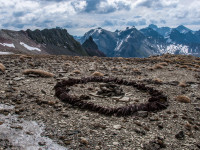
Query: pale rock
(117, 127)
(115, 143)
(124, 99)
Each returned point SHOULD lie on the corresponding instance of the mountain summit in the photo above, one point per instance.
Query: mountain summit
(182, 29)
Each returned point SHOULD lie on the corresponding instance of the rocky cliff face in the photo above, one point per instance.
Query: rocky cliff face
(48, 41)
(57, 41)
(105, 40)
(91, 48)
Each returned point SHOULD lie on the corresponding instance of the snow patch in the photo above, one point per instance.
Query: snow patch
(29, 47)
(8, 45)
(5, 53)
(119, 44)
(172, 48)
(184, 31)
(98, 30)
(127, 38)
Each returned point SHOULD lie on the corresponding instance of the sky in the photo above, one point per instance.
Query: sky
(79, 16)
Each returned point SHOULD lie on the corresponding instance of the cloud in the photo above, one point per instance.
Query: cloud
(92, 5)
(109, 6)
(158, 4)
(78, 16)
(141, 22)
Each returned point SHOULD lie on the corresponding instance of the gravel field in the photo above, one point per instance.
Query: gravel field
(32, 117)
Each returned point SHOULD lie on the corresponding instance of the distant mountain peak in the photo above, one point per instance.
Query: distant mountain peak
(130, 42)
(183, 29)
(132, 27)
(91, 48)
(181, 26)
(153, 26)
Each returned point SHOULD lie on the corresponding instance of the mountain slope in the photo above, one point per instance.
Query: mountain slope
(57, 41)
(132, 43)
(125, 43)
(105, 40)
(145, 42)
(91, 48)
(19, 42)
(47, 41)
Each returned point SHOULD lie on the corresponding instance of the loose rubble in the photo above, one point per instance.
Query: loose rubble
(36, 114)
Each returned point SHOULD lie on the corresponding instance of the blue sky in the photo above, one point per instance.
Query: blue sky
(79, 16)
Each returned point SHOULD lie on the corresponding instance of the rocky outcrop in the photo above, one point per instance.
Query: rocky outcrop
(57, 41)
(91, 48)
(48, 41)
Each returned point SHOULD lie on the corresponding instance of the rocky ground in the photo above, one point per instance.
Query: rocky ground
(31, 117)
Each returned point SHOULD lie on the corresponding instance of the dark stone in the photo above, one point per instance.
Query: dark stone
(110, 90)
(43, 92)
(160, 126)
(197, 109)
(42, 143)
(180, 135)
(198, 145)
(84, 97)
(140, 132)
(156, 144)
(174, 83)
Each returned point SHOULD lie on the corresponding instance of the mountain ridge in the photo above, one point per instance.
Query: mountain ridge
(55, 41)
(151, 40)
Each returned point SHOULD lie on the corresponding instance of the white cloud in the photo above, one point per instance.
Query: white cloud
(79, 16)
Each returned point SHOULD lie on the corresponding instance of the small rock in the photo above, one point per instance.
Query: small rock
(117, 127)
(196, 127)
(1, 123)
(42, 143)
(160, 126)
(17, 127)
(175, 116)
(85, 118)
(115, 143)
(29, 133)
(142, 114)
(153, 119)
(180, 135)
(97, 148)
(65, 115)
(197, 109)
(174, 83)
(18, 78)
(68, 142)
(139, 131)
(188, 126)
(43, 92)
(124, 99)
(198, 145)
(138, 123)
(156, 144)
(99, 125)
(84, 141)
